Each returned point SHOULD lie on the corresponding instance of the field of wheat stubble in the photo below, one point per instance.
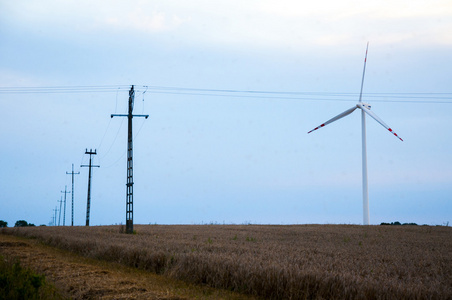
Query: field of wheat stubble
(277, 261)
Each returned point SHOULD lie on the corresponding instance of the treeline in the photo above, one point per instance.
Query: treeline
(397, 223)
(20, 223)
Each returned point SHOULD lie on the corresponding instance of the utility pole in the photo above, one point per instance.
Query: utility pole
(72, 173)
(54, 217)
(129, 185)
(59, 217)
(64, 215)
(88, 204)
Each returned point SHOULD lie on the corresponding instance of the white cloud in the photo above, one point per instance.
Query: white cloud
(83, 16)
(337, 10)
(139, 20)
(286, 24)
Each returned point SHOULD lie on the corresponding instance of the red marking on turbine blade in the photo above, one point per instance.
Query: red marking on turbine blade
(398, 136)
(316, 128)
(390, 130)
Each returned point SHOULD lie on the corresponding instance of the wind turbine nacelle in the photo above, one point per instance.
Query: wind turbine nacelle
(362, 104)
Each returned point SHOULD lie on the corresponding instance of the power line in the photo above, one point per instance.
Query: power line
(411, 97)
(314, 97)
(184, 90)
(275, 92)
(62, 89)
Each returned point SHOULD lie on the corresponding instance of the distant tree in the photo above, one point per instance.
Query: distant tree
(22, 223)
(398, 223)
(3, 223)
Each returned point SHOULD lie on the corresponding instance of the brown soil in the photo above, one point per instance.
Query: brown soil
(76, 277)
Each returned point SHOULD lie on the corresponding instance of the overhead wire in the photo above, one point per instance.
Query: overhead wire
(184, 90)
(114, 140)
(411, 97)
(114, 163)
(108, 126)
(143, 99)
(63, 89)
(319, 97)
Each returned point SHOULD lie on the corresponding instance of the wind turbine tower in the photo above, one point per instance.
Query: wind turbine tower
(365, 109)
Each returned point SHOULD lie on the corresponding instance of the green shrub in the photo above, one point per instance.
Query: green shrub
(23, 223)
(17, 282)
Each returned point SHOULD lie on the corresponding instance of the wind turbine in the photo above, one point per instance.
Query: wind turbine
(365, 109)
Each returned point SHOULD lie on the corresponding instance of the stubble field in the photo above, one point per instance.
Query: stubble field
(277, 262)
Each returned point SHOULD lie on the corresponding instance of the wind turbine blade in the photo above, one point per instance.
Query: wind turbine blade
(345, 113)
(364, 72)
(376, 118)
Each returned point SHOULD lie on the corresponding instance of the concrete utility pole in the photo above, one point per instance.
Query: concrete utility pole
(88, 204)
(59, 217)
(129, 185)
(64, 214)
(72, 173)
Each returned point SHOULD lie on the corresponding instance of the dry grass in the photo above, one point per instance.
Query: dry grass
(278, 262)
(77, 277)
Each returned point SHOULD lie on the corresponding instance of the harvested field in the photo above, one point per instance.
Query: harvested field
(277, 262)
(77, 277)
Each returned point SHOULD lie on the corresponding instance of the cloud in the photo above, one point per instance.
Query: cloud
(139, 20)
(85, 16)
(340, 10)
(285, 24)
(341, 23)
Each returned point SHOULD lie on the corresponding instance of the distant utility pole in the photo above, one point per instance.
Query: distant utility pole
(54, 217)
(72, 173)
(59, 217)
(129, 185)
(88, 202)
(64, 215)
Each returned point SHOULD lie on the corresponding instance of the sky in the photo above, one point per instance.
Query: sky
(231, 89)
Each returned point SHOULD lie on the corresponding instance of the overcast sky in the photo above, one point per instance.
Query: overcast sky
(232, 88)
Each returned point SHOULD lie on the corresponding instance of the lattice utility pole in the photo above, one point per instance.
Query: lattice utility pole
(59, 217)
(88, 202)
(64, 214)
(129, 185)
(55, 214)
(72, 173)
